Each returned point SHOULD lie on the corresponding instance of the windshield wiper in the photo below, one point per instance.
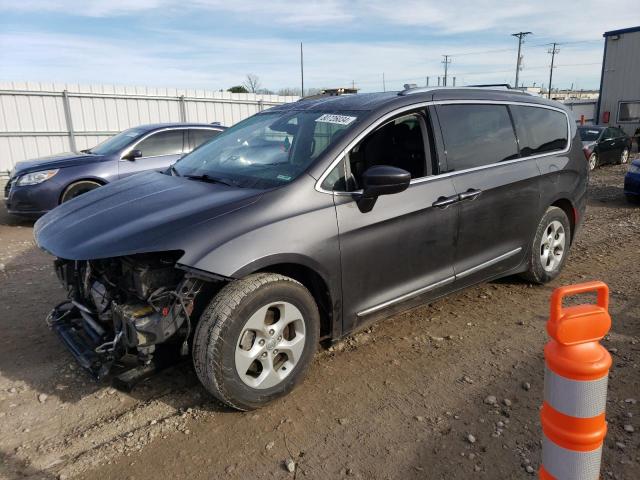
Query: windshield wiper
(209, 179)
(174, 170)
(86, 150)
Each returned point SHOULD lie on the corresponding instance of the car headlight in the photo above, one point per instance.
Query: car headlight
(34, 178)
(633, 168)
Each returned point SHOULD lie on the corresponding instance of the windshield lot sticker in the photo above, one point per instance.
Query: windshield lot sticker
(337, 119)
(284, 177)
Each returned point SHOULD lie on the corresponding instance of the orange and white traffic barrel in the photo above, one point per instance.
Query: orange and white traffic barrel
(575, 385)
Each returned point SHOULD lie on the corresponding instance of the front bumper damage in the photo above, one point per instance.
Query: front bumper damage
(100, 356)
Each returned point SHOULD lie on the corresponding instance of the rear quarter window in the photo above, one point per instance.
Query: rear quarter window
(540, 130)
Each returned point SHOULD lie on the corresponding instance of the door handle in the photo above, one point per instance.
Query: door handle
(470, 194)
(444, 202)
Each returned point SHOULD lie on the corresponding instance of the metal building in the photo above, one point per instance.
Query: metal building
(619, 102)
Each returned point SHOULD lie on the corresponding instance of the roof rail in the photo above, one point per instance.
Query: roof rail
(495, 86)
(505, 86)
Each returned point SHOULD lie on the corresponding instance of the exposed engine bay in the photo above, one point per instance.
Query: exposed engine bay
(125, 307)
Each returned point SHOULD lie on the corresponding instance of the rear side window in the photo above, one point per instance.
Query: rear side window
(476, 135)
(540, 130)
(168, 142)
(201, 135)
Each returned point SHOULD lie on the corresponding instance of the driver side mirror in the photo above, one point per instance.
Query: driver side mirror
(132, 155)
(381, 180)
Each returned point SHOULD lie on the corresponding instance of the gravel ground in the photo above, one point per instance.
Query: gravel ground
(448, 390)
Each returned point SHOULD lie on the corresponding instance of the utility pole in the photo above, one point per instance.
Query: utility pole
(520, 36)
(353, 84)
(454, 81)
(427, 82)
(301, 72)
(553, 50)
(384, 85)
(446, 62)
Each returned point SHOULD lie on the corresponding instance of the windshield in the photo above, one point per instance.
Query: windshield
(266, 150)
(589, 134)
(116, 143)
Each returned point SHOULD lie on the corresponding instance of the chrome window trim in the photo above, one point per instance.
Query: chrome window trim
(406, 108)
(441, 283)
(488, 263)
(406, 296)
(166, 129)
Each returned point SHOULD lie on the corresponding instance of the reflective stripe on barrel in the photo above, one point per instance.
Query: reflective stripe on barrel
(565, 464)
(576, 398)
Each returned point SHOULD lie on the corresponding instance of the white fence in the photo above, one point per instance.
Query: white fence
(584, 110)
(39, 119)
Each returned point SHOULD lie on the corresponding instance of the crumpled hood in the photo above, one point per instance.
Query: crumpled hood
(57, 161)
(143, 213)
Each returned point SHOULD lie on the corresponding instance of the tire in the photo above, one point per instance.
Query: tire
(555, 222)
(234, 330)
(624, 156)
(593, 161)
(78, 188)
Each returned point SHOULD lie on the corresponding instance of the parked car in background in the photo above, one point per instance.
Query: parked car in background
(604, 145)
(632, 182)
(311, 220)
(37, 186)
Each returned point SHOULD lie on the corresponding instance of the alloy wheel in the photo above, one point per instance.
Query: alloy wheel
(624, 158)
(552, 246)
(593, 161)
(270, 345)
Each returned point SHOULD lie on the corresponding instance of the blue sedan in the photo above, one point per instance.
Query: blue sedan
(632, 182)
(37, 186)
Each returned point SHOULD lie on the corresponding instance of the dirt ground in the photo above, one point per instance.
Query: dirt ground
(398, 401)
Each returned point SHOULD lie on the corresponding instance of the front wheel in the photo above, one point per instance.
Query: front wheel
(593, 161)
(550, 247)
(256, 340)
(78, 188)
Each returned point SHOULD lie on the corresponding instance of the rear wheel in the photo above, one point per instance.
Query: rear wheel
(255, 341)
(624, 156)
(550, 246)
(593, 161)
(78, 188)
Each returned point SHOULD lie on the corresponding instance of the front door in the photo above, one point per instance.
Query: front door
(159, 150)
(403, 248)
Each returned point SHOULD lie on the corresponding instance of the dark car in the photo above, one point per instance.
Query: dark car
(37, 186)
(632, 182)
(604, 145)
(310, 220)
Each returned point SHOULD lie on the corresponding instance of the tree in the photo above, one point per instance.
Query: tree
(238, 89)
(252, 83)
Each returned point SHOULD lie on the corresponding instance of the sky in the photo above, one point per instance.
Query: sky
(214, 44)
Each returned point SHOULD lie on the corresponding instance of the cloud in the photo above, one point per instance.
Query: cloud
(560, 18)
(186, 60)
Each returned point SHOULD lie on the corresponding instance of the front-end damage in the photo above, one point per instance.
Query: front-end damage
(121, 310)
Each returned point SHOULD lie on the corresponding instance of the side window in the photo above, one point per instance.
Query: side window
(168, 142)
(476, 135)
(198, 136)
(629, 112)
(609, 133)
(539, 130)
(398, 143)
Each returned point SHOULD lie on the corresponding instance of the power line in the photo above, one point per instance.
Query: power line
(553, 51)
(520, 36)
(446, 62)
